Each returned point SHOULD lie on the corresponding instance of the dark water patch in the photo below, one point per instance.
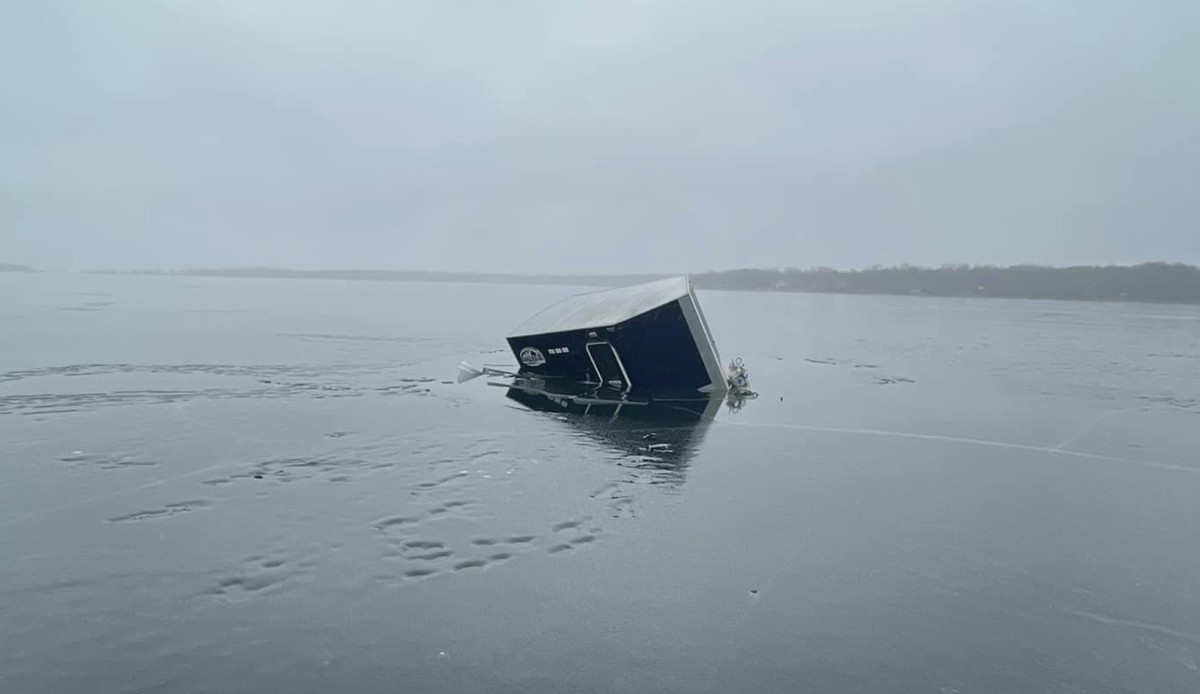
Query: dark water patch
(430, 447)
(424, 544)
(164, 512)
(404, 390)
(1175, 355)
(566, 525)
(443, 480)
(521, 539)
(321, 392)
(332, 467)
(622, 508)
(446, 508)
(583, 540)
(106, 461)
(891, 380)
(470, 564)
(433, 556)
(248, 583)
(420, 573)
(1180, 403)
(500, 556)
(140, 515)
(393, 521)
(825, 362)
(558, 549)
(606, 489)
(299, 462)
(189, 505)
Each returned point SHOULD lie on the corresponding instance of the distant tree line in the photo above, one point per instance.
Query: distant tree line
(8, 267)
(1153, 282)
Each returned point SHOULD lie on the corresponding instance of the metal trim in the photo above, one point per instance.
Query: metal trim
(698, 327)
(616, 355)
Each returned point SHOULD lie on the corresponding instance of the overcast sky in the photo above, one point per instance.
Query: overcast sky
(603, 136)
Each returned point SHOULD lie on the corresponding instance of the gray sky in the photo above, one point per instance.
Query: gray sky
(622, 136)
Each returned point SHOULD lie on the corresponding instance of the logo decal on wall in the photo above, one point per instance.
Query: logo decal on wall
(532, 356)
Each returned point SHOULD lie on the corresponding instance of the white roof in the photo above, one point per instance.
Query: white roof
(604, 308)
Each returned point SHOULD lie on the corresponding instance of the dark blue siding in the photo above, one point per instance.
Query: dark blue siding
(656, 349)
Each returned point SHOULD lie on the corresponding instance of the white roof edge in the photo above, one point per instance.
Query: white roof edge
(604, 307)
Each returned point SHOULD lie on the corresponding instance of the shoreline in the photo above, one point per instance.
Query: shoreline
(702, 281)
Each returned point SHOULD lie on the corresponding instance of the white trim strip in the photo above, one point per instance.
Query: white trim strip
(704, 344)
(703, 321)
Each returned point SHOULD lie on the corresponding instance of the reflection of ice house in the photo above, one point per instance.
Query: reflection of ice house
(656, 437)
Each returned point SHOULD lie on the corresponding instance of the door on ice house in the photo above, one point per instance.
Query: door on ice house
(607, 364)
